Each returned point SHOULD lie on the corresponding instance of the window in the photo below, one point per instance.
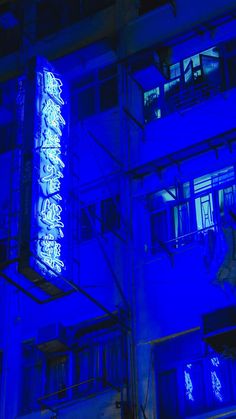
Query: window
(110, 215)
(227, 203)
(95, 361)
(57, 375)
(87, 222)
(168, 395)
(108, 94)
(96, 92)
(99, 364)
(191, 80)
(86, 102)
(102, 217)
(170, 217)
(151, 105)
(159, 229)
(54, 15)
(191, 378)
(85, 370)
(179, 216)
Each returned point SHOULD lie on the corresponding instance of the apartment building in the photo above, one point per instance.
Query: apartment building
(118, 211)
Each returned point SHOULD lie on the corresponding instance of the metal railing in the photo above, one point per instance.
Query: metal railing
(83, 390)
(191, 95)
(196, 236)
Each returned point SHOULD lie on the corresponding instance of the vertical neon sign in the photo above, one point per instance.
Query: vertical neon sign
(50, 160)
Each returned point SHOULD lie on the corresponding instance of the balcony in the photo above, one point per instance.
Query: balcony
(70, 395)
(194, 107)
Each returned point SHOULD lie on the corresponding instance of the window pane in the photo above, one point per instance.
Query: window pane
(151, 105)
(175, 70)
(156, 200)
(57, 380)
(110, 214)
(86, 371)
(87, 221)
(182, 222)
(112, 365)
(109, 94)
(86, 103)
(168, 397)
(159, 229)
(227, 200)
(204, 212)
(213, 179)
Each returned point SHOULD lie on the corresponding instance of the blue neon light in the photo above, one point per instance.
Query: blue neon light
(188, 383)
(50, 227)
(215, 381)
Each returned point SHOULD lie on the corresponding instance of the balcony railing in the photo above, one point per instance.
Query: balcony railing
(199, 236)
(180, 97)
(189, 96)
(192, 81)
(72, 394)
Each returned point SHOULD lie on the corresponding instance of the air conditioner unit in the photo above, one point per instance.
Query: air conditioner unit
(52, 338)
(219, 330)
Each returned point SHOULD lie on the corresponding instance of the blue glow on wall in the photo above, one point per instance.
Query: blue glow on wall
(49, 157)
(215, 380)
(188, 383)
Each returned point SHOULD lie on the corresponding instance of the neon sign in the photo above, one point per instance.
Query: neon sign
(215, 381)
(188, 384)
(50, 161)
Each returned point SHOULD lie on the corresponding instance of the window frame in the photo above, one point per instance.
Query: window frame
(208, 404)
(217, 181)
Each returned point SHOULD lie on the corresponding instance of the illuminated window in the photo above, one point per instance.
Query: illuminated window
(170, 217)
(204, 212)
(227, 203)
(192, 80)
(176, 215)
(151, 105)
(214, 203)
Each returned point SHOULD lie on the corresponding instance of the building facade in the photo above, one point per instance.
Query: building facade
(118, 209)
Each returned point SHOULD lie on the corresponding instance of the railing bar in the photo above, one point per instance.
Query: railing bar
(94, 379)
